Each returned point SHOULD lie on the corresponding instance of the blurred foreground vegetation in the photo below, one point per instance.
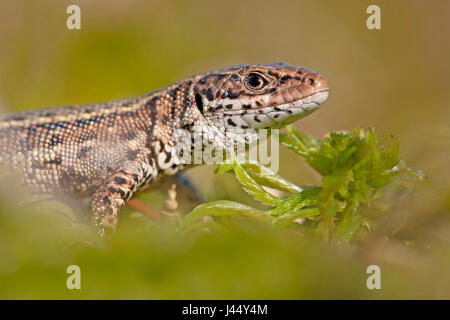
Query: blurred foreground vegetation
(395, 79)
(292, 243)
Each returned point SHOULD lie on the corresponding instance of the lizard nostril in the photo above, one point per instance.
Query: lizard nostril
(311, 81)
(322, 84)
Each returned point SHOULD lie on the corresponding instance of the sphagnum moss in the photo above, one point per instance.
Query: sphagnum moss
(356, 170)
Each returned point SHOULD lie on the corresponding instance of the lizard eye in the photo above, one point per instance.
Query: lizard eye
(255, 81)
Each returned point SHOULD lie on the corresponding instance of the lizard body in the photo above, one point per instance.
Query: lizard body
(111, 150)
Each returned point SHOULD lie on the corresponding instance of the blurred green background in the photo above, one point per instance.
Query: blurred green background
(395, 79)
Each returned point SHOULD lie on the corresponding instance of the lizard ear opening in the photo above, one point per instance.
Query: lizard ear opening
(199, 102)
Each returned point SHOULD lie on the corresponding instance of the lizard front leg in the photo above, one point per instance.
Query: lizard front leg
(111, 196)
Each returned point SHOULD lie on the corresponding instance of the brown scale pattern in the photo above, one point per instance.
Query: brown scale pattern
(111, 150)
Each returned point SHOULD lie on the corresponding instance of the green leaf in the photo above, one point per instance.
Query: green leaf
(291, 144)
(321, 164)
(303, 141)
(224, 167)
(286, 219)
(222, 208)
(264, 175)
(355, 169)
(253, 188)
(390, 155)
(296, 202)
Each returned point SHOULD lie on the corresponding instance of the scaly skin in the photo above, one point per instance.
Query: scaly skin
(111, 150)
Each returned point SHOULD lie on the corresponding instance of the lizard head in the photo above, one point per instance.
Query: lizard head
(259, 96)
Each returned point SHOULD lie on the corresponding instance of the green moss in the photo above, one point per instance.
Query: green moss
(355, 168)
(369, 209)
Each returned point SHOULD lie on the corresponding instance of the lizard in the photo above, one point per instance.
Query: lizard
(109, 151)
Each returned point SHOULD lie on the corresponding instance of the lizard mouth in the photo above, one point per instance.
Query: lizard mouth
(278, 116)
(311, 100)
(307, 102)
(321, 96)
